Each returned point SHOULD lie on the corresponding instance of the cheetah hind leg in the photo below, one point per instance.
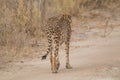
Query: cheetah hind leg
(55, 69)
(68, 66)
(57, 65)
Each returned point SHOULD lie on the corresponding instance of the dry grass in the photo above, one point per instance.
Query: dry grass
(20, 31)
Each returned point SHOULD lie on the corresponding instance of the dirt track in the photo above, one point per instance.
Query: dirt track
(95, 58)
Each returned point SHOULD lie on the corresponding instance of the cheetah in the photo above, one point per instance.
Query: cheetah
(58, 31)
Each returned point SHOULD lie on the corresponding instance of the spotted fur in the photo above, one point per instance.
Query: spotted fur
(58, 31)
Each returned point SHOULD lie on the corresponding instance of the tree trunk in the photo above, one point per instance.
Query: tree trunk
(76, 7)
(42, 11)
(31, 12)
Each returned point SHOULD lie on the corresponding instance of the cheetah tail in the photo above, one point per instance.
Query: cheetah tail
(44, 57)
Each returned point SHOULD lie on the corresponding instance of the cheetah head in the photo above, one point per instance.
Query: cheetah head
(67, 17)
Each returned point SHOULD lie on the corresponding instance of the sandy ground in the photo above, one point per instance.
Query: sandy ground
(92, 58)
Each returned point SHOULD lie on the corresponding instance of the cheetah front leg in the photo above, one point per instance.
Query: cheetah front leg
(68, 66)
(67, 43)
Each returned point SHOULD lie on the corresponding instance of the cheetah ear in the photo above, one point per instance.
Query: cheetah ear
(69, 18)
(63, 16)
